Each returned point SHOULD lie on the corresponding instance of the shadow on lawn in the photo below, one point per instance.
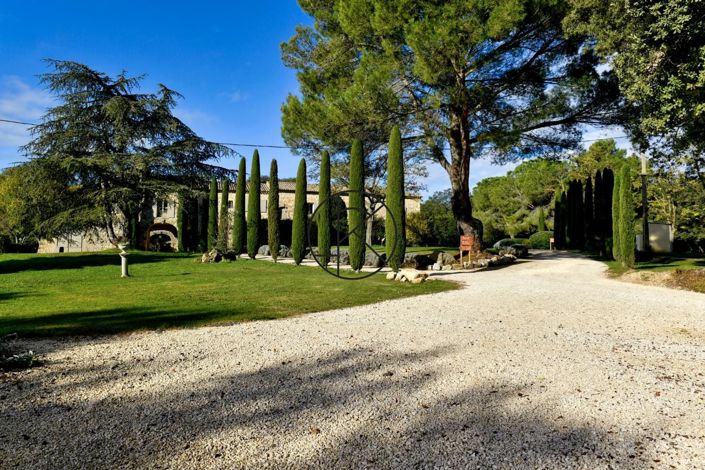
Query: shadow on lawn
(342, 410)
(69, 261)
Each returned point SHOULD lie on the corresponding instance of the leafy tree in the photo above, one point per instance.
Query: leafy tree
(298, 236)
(324, 209)
(224, 216)
(239, 225)
(112, 148)
(253, 208)
(356, 206)
(213, 214)
(488, 79)
(434, 224)
(273, 210)
(395, 225)
(627, 246)
(616, 214)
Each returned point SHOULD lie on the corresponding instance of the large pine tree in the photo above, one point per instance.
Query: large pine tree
(253, 208)
(395, 239)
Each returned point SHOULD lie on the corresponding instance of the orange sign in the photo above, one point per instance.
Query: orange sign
(467, 243)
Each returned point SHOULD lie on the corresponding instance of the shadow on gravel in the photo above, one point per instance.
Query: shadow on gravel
(356, 408)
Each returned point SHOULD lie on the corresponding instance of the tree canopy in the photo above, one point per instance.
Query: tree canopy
(463, 79)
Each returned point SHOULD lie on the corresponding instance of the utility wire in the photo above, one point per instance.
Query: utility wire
(272, 146)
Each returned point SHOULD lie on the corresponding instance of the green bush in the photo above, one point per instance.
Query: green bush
(540, 240)
(505, 242)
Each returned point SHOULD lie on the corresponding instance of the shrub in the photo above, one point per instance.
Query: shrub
(323, 215)
(506, 242)
(253, 208)
(273, 210)
(394, 230)
(540, 240)
(298, 232)
(239, 226)
(356, 200)
(213, 214)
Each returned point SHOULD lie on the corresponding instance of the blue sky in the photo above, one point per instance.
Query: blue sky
(222, 56)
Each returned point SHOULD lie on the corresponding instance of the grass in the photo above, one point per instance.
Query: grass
(68, 294)
(660, 264)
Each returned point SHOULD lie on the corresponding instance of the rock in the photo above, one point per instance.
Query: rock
(344, 257)
(373, 260)
(264, 250)
(446, 267)
(520, 251)
(411, 275)
(445, 259)
(284, 252)
(391, 276)
(501, 260)
(416, 261)
(437, 266)
(213, 256)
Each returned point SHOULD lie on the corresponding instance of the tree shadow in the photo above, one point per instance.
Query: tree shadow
(71, 261)
(348, 409)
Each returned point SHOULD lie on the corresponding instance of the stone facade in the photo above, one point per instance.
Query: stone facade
(157, 224)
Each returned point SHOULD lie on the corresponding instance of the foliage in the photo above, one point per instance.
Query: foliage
(356, 206)
(298, 236)
(273, 214)
(323, 222)
(224, 216)
(488, 79)
(83, 294)
(253, 208)
(627, 248)
(434, 224)
(559, 216)
(111, 148)
(239, 238)
(395, 226)
(542, 220)
(575, 225)
(213, 214)
(540, 240)
(589, 215)
(505, 242)
(616, 214)
(181, 222)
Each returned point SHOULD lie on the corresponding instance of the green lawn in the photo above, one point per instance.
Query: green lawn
(660, 263)
(47, 295)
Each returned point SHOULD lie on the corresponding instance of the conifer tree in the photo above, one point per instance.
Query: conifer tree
(298, 244)
(239, 225)
(324, 211)
(223, 218)
(607, 188)
(542, 220)
(616, 236)
(394, 227)
(589, 216)
(253, 208)
(181, 223)
(557, 221)
(627, 243)
(598, 220)
(356, 206)
(273, 211)
(564, 220)
(213, 214)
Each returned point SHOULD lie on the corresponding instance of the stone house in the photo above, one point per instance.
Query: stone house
(157, 225)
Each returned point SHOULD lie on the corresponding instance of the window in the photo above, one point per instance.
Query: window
(230, 204)
(309, 208)
(162, 207)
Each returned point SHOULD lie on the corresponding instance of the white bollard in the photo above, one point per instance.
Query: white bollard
(123, 260)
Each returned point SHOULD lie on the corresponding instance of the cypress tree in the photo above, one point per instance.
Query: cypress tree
(607, 188)
(298, 231)
(239, 225)
(542, 220)
(579, 216)
(181, 223)
(598, 220)
(324, 211)
(589, 216)
(616, 245)
(253, 208)
(564, 220)
(223, 219)
(202, 209)
(557, 220)
(213, 214)
(626, 218)
(394, 228)
(273, 211)
(356, 206)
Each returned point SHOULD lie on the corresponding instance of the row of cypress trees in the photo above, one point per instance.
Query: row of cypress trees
(245, 224)
(597, 218)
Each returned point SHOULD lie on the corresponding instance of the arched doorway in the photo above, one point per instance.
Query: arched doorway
(161, 237)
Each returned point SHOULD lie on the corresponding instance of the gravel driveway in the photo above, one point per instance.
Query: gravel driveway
(544, 364)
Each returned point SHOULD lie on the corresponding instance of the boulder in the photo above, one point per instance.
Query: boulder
(437, 266)
(501, 260)
(344, 257)
(213, 256)
(373, 260)
(264, 250)
(445, 259)
(416, 261)
(411, 275)
(284, 252)
(520, 251)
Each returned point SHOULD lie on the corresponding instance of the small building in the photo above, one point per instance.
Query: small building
(157, 226)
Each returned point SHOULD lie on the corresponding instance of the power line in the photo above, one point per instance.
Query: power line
(273, 146)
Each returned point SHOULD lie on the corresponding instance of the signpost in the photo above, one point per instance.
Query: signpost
(467, 243)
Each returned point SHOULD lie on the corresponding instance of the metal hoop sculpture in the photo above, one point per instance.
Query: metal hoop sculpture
(375, 201)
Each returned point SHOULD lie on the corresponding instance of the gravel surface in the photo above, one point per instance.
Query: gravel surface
(543, 364)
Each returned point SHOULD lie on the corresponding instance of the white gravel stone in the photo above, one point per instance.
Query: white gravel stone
(543, 364)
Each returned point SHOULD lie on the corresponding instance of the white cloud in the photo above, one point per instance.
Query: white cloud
(20, 102)
(195, 117)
